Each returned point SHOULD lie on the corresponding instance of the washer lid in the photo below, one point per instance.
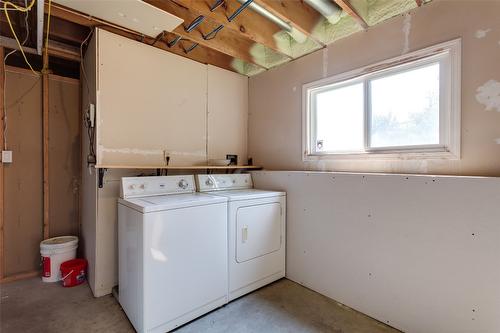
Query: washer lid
(171, 201)
(247, 194)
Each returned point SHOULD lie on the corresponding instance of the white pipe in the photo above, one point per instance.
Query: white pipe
(326, 8)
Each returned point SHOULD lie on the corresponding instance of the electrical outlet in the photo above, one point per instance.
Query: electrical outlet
(6, 156)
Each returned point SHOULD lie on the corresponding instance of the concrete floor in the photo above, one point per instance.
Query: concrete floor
(284, 306)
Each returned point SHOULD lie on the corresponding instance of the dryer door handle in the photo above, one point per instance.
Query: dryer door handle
(244, 234)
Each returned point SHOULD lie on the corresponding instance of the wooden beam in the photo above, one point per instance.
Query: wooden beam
(2, 115)
(300, 15)
(45, 131)
(200, 54)
(248, 24)
(349, 9)
(56, 49)
(227, 40)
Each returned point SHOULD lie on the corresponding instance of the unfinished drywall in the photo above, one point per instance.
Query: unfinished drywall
(227, 114)
(275, 97)
(150, 104)
(419, 253)
(23, 193)
(153, 104)
(64, 156)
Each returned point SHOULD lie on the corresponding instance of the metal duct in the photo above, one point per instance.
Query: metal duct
(328, 9)
(296, 34)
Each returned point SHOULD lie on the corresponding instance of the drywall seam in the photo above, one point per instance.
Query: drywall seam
(406, 32)
(325, 62)
(489, 95)
(146, 152)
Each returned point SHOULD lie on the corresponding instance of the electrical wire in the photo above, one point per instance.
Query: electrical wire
(91, 158)
(23, 10)
(5, 107)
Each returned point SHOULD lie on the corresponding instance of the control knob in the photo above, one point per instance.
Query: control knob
(183, 184)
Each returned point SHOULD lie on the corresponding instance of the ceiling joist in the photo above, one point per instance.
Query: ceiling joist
(200, 54)
(249, 24)
(349, 9)
(225, 41)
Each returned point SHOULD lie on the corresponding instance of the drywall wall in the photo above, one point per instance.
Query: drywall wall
(275, 97)
(416, 252)
(148, 92)
(186, 108)
(227, 114)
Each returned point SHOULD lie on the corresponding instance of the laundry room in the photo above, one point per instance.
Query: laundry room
(250, 166)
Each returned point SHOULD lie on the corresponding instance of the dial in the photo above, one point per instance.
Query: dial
(183, 184)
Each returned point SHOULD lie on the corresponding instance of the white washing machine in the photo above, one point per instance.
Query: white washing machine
(256, 231)
(172, 252)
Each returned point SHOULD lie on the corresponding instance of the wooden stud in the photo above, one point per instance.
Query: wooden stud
(349, 9)
(227, 41)
(45, 122)
(248, 24)
(2, 115)
(56, 49)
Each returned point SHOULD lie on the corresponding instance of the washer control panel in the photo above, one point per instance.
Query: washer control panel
(133, 187)
(223, 182)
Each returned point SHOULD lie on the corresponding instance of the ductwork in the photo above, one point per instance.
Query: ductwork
(327, 8)
(296, 34)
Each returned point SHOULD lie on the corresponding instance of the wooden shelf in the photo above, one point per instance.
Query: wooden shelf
(187, 167)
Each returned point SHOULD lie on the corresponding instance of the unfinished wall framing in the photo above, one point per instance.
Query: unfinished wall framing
(23, 215)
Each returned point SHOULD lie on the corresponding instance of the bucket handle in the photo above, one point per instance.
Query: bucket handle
(64, 278)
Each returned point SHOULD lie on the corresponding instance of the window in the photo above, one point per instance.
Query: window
(406, 107)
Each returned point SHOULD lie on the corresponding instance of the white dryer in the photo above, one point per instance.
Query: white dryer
(172, 245)
(256, 231)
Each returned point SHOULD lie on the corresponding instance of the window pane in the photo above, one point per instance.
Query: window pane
(339, 119)
(405, 108)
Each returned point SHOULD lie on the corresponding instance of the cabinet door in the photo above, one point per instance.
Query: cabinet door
(150, 103)
(227, 114)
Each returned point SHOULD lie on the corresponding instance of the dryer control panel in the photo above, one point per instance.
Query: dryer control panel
(133, 187)
(239, 181)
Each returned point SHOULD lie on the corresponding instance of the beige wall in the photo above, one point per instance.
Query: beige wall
(275, 108)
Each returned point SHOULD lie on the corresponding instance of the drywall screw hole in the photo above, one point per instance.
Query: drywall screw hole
(473, 234)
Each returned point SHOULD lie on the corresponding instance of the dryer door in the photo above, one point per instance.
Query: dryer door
(258, 230)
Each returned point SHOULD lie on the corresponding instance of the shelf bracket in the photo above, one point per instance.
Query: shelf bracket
(101, 172)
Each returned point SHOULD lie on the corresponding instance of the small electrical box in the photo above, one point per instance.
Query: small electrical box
(6, 156)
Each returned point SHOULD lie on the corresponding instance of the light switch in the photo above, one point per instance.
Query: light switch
(6, 156)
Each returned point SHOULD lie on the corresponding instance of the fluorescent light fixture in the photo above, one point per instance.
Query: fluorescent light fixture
(135, 15)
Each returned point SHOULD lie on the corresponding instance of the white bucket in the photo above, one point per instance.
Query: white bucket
(54, 252)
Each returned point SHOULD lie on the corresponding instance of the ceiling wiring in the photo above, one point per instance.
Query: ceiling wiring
(23, 10)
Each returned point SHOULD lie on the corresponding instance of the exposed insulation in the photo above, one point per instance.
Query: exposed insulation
(290, 46)
(266, 57)
(381, 10)
(328, 33)
(245, 68)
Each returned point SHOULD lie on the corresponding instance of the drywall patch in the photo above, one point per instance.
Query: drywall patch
(406, 33)
(489, 95)
(481, 33)
(325, 62)
(497, 141)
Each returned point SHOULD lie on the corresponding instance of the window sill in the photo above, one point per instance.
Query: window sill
(422, 155)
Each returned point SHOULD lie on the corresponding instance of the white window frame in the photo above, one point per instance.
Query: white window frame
(448, 54)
